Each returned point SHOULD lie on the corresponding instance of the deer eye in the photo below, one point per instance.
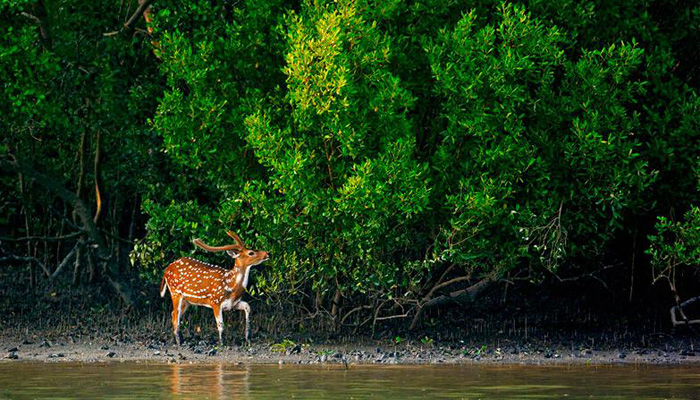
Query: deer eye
(250, 253)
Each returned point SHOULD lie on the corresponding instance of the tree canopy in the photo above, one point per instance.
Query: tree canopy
(385, 152)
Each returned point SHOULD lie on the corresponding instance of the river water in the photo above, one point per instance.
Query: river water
(25, 380)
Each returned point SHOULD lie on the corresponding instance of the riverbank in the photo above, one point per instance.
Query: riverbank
(48, 347)
(538, 327)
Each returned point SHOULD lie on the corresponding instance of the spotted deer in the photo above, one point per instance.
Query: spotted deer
(198, 283)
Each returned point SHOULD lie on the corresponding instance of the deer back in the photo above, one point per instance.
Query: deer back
(200, 282)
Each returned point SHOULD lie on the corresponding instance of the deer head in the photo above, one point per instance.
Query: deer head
(244, 256)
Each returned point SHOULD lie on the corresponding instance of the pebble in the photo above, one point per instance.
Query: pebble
(111, 354)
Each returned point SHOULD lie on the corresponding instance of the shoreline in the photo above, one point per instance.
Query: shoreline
(260, 353)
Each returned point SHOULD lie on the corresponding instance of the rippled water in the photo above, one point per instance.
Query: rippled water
(136, 380)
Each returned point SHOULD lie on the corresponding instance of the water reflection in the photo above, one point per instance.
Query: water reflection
(218, 381)
(20, 380)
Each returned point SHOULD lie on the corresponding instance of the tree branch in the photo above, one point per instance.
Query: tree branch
(40, 20)
(43, 238)
(137, 14)
(35, 260)
(462, 296)
(64, 262)
(447, 283)
(679, 308)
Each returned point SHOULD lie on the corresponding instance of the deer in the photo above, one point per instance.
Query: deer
(193, 282)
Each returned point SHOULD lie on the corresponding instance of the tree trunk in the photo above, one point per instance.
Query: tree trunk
(80, 252)
(94, 237)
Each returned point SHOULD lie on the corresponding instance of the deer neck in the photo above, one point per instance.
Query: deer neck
(237, 277)
(233, 284)
(244, 274)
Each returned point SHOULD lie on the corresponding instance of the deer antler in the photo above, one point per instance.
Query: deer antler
(236, 238)
(215, 248)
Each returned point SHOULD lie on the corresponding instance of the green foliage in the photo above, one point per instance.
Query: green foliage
(538, 157)
(72, 92)
(339, 153)
(282, 346)
(675, 244)
(491, 139)
(370, 146)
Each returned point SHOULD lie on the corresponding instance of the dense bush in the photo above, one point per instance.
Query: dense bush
(380, 150)
(74, 99)
(675, 244)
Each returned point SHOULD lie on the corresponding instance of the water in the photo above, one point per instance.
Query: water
(20, 380)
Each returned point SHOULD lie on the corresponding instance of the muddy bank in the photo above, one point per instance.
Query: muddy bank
(61, 324)
(47, 347)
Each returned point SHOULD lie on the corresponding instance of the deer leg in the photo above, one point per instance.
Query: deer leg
(175, 317)
(218, 314)
(179, 307)
(243, 306)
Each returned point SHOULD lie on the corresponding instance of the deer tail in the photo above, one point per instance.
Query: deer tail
(163, 287)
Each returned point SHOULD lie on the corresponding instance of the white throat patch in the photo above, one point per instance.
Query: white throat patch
(245, 279)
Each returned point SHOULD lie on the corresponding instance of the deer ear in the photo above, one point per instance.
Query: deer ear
(234, 253)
